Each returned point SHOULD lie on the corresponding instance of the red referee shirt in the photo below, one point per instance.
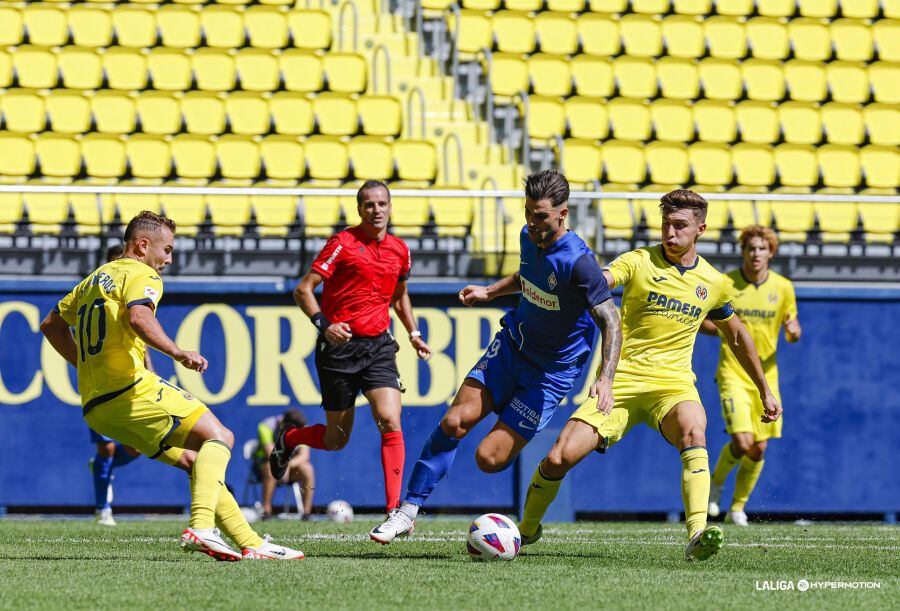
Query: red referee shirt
(360, 276)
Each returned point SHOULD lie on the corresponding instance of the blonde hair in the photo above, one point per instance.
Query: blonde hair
(759, 231)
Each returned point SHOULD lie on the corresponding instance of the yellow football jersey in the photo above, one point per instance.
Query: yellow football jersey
(763, 308)
(663, 305)
(110, 354)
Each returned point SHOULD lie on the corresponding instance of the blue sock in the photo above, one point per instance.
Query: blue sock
(103, 468)
(122, 457)
(432, 466)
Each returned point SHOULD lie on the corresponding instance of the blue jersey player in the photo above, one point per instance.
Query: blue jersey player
(534, 360)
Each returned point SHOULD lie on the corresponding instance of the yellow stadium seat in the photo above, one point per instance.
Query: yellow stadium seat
(257, 70)
(129, 205)
(336, 114)
(763, 79)
(692, 7)
(328, 158)
(23, 110)
(843, 123)
(818, 8)
(229, 214)
(274, 213)
(69, 111)
(416, 161)
(194, 156)
(683, 36)
(46, 211)
(776, 8)
(292, 114)
(650, 211)
(623, 162)
(715, 121)
(125, 69)
(582, 161)
(758, 122)
(474, 33)
(721, 79)
(320, 214)
(557, 33)
(203, 112)
(188, 211)
(716, 219)
(372, 158)
(801, 122)
(81, 68)
(453, 216)
(593, 76)
(159, 113)
(806, 81)
(672, 120)
(797, 165)
(608, 6)
(310, 29)
(887, 39)
(852, 39)
(11, 26)
(546, 118)
(238, 157)
(509, 74)
(882, 123)
(90, 211)
(16, 155)
(847, 82)
(630, 119)
(214, 69)
(881, 165)
(734, 8)
(668, 162)
(865, 9)
(746, 212)
(641, 35)
(768, 38)
(726, 37)
(170, 69)
(302, 70)
(678, 78)
(794, 219)
(566, 6)
(550, 74)
(46, 24)
(880, 221)
(179, 26)
(650, 7)
(635, 77)
(587, 118)
(35, 67)
(481, 5)
(885, 84)
(104, 155)
(248, 113)
(839, 165)
(753, 164)
(222, 26)
(837, 220)
(91, 26)
(810, 39)
(266, 27)
(514, 31)
(346, 72)
(58, 155)
(599, 35)
(710, 163)
(380, 115)
(283, 158)
(617, 217)
(135, 26)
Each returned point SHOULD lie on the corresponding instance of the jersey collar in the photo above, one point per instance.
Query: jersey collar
(555, 245)
(360, 234)
(682, 269)
(755, 284)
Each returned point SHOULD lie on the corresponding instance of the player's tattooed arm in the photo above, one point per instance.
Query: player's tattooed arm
(607, 319)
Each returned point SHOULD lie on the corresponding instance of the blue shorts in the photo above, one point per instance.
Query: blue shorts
(98, 438)
(525, 396)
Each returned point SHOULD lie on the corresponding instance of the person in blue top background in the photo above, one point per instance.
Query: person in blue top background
(535, 359)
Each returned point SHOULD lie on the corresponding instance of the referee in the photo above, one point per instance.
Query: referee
(365, 270)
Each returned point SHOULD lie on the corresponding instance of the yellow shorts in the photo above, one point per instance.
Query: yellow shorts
(742, 410)
(152, 417)
(635, 401)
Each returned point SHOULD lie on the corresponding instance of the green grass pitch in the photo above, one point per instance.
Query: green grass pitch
(138, 565)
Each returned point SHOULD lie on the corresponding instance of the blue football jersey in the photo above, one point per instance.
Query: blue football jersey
(551, 325)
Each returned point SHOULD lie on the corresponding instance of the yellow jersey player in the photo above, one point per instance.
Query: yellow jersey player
(113, 315)
(765, 302)
(668, 291)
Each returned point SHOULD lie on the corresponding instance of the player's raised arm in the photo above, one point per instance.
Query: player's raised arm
(148, 329)
(741, 344)
(403, 307)
(305, 297)
(57, 332)
(472, 294)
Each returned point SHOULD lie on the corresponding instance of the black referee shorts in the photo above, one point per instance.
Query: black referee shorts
(361, 364)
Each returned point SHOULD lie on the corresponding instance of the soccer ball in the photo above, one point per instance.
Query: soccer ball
(493, 537)
(340, 512)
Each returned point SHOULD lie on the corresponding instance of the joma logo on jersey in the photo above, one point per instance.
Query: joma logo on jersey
(676, 305)
(540, 298)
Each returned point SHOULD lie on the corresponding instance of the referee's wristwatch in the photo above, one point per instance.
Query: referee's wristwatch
(414, 334)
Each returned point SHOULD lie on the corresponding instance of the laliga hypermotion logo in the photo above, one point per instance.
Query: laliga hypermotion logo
(702, 293)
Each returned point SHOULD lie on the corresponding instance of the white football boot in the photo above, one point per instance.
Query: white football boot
(738, 518)
(715, 495)
(271, 551)
(398, 524)
(208, 541)
(104, 517)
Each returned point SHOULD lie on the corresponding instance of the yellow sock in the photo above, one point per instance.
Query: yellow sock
(695, 487)
(231, 520)
(541, 493)
(727, 461)
(207, 483)
(747, 476)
